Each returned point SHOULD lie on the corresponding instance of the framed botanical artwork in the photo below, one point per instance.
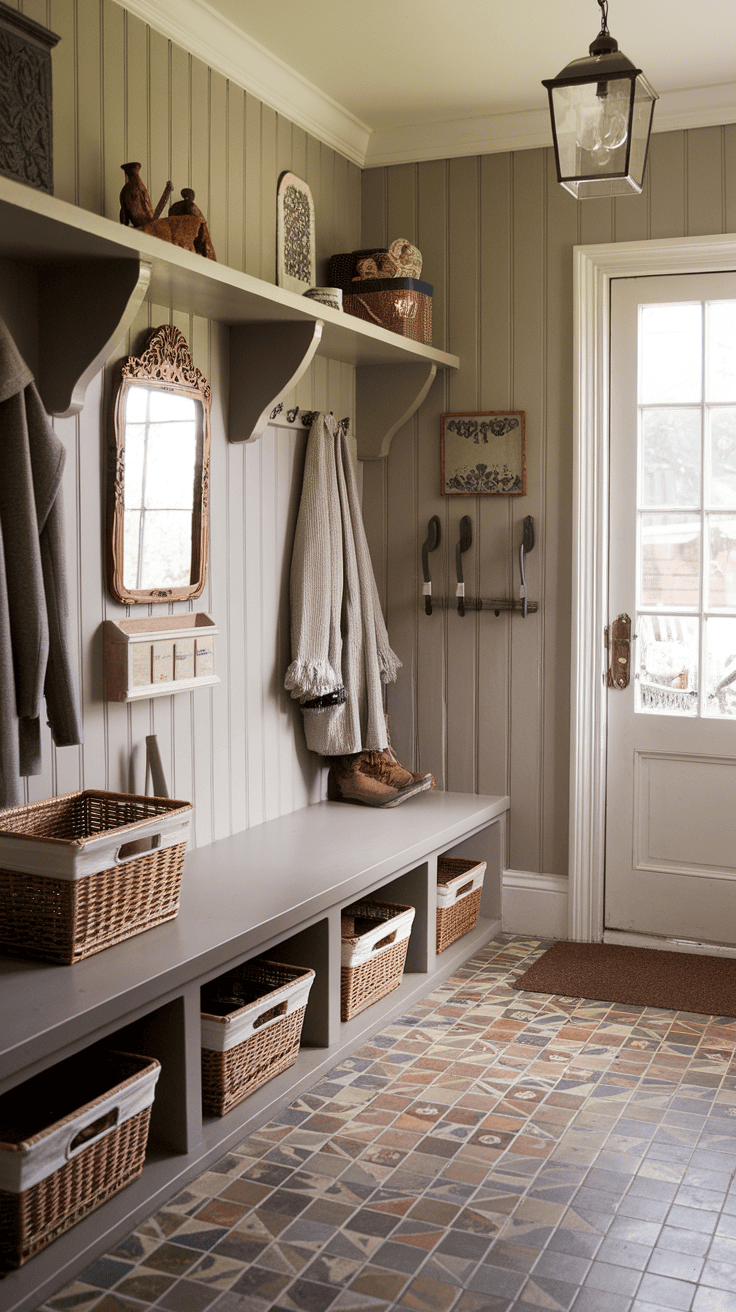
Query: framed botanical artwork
(484, 454)
(295, 244)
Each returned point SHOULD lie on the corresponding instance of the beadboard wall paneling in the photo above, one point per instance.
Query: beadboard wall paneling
(122, 91)
(483, 701)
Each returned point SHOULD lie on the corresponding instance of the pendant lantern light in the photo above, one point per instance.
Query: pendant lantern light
(601, 108)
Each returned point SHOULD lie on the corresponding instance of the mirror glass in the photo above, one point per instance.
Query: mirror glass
(159, 529)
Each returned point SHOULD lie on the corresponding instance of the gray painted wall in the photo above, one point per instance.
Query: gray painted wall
(123, 92)
(484, 701)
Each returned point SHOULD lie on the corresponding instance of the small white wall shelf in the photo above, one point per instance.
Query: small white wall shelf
(157, 656)
(92, 275)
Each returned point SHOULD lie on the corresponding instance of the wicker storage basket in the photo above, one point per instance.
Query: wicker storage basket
(459, 889)
(342, 268)
(403, 305)
(251, 1026)
(81, 872)
(375, 938)
(60, 1160)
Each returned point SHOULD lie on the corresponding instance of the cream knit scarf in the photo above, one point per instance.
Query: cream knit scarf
(339, 643)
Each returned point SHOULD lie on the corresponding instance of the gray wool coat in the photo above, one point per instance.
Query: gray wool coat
(339, 644)
(35, 656)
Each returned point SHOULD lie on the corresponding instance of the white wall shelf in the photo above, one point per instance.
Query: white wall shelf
(92, 275)
(278, 888)
(181, 646)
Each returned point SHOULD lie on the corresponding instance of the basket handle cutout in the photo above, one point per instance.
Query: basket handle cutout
(93, 1131)
(271, 1014)
(465, 889)
(384, 942)
(137, 847)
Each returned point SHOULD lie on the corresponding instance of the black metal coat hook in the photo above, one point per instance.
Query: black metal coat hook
(434, 532)
(464, 541)
(527, 545)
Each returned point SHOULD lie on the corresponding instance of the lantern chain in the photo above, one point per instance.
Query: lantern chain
(603, 6)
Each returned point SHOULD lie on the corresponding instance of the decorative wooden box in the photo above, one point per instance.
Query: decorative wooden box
(159, 655)
(25, 99)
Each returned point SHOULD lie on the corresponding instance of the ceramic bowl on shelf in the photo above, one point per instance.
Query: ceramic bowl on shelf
(331, 296)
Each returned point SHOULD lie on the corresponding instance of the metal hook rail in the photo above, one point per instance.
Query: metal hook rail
(296, 418)
(496, 604)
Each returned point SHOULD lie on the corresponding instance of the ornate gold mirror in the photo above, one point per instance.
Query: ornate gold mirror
(158, 479)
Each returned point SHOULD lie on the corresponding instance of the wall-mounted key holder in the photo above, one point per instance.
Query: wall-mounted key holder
(496, 604)
(159, 655)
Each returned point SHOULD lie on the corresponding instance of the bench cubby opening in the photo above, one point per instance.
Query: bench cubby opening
(162, 1034)
(411, 889)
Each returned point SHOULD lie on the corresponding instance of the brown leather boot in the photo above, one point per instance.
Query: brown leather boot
(368, 778)
(423, 776)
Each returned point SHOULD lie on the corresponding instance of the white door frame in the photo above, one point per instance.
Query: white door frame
(594, 267)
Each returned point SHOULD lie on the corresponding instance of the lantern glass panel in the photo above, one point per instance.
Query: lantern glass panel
(592, 126)
(640, 125)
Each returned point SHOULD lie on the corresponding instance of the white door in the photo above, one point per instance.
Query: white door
(671, 769)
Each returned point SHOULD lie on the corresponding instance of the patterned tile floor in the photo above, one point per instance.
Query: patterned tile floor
(489, 1150)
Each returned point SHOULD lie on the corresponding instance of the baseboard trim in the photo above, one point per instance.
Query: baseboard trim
(534, 904)
(627, 940)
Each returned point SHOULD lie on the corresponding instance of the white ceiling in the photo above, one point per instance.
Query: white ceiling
(416, 79)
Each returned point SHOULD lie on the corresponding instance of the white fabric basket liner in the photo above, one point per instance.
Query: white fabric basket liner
(221, 1033)
(22, 1165)
(457, 888)
(398, 927)
(70, 859)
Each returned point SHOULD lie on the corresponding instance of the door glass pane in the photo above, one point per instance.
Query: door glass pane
(721, 667)
(721, 353)
(671, 353)
(670, 456)
(722, 561)
(670, 560)
(667, 664)
(722, 490)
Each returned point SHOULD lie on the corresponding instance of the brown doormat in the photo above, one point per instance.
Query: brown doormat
(645, 977)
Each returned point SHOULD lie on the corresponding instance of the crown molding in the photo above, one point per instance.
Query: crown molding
(701, 107)
(489, 135)
(198, 28)
(486, 135)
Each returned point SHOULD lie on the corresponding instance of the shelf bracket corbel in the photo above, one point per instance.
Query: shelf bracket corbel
(85, 309)
(386, 396)
(266, 362)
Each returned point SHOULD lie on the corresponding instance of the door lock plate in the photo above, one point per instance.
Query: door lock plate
(619, 652)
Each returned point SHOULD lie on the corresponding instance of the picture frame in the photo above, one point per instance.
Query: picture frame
(296, 262)
(483, 453)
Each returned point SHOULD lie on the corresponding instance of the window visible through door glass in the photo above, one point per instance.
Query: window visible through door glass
(722, 450)
(671, 353)
(721, 667)
(686, 588)
(670, 456)
(721, 351)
